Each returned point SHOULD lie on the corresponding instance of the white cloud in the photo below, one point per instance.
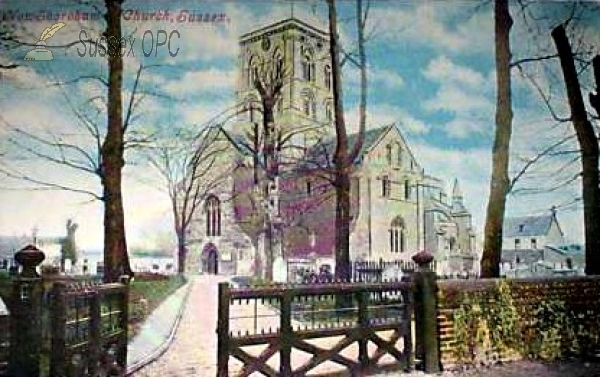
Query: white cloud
(443, 70)
(204, 80)
(382, 114)
(376, 79)
(432, 24)
(463, 92)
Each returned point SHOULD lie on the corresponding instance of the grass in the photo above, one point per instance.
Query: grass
(146, 292)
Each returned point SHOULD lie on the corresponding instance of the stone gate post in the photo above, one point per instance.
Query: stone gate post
(426, 326)
(26, 315)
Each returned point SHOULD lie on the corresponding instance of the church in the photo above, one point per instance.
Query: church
(396, 208)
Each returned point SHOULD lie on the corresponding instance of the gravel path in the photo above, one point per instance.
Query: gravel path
(193, 351)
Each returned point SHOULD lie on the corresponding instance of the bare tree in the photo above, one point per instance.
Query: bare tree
(345, 155)
(499, 183)
(191, 168)
(106, 158)
(588, 143)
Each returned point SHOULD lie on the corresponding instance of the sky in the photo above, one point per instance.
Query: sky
(431, 71)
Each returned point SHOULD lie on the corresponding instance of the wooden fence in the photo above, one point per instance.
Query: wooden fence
(61, 328)
(309, 326)
(4, 343)
(89, 329)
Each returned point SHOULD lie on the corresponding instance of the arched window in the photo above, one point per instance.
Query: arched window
(309, 106)
(252, 67)
(212, 208)
(327, 76)
(397, 236)
(398, 154)
(388, 156)
(306, 106)
(308, 65)
(329, 111)
(278, 59)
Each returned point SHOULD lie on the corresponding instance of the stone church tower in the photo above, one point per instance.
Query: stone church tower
(306, 101)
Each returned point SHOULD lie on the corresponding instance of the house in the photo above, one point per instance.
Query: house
(396, 208)
(532, 232)
(536, 246)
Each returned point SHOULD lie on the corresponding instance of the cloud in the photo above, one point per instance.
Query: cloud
(441, 26)
(377, 78)
(463, 92)
(443, 70)
(204, 80)
(383, 114)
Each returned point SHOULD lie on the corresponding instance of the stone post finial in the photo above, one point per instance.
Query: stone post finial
(423, 259)
(29, 257)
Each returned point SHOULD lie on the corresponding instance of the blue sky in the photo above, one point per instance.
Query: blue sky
(431, 70)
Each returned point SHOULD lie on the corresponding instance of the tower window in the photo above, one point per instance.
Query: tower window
(329, 111)
(308, 66)
(252, 71)
(306, 106)
(388, 154)
(309, 107)
(398, 155)
(327, 78)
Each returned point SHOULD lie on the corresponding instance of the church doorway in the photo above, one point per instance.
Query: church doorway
(210, 259)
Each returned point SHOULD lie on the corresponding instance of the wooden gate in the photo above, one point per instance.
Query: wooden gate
(307, 327)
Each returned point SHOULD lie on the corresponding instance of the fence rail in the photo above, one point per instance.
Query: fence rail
(89, 332)
(4, 343)
(62, 328)
(288, 319)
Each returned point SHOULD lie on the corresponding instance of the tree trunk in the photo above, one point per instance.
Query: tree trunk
(181, 253)
(499, 183)
(342, 226)
(116, 260)
(589, 152)
(340, 157)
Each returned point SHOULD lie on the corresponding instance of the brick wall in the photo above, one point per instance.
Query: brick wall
(579, 294)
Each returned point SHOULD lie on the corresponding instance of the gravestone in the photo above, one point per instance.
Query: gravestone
(3, 308)
(280, 270)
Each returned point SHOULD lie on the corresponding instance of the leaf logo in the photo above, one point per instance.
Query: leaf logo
(40, 52)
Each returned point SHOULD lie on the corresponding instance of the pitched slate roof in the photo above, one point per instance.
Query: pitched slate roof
(321, 154)
(527, 226)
